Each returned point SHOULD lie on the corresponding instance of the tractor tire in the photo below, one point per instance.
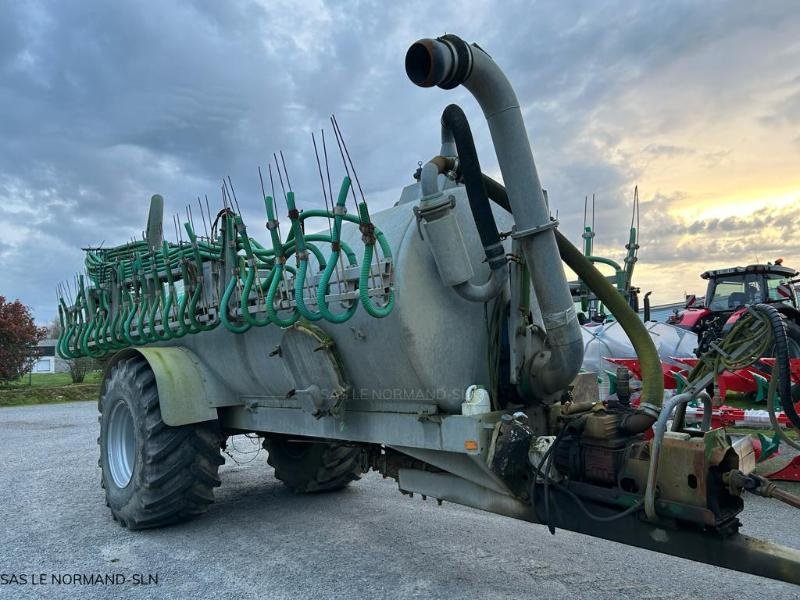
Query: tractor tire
(793, 333)
(307, 467)
(153, 474)
(793, 337)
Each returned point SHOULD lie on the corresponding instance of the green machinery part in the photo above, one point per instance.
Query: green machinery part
(154, 290)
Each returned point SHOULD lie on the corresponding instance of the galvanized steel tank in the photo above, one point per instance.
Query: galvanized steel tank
(427, 351)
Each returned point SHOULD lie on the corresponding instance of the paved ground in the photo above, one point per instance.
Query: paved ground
(260, 541)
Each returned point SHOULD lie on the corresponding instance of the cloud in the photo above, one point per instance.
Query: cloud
(667, 150)
(105, 104)
(768, 232)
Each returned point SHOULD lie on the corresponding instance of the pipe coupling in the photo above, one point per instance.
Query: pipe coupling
(445, 62)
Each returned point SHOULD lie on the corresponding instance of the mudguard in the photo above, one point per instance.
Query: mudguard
(187, 391)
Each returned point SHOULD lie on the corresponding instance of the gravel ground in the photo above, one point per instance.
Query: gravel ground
(261, 541)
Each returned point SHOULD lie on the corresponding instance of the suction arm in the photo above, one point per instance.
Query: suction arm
(448, 62)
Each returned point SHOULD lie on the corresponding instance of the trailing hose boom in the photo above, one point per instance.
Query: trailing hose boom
(145, 292)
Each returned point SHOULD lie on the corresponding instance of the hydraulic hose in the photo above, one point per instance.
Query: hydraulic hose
(652, 377)
(655, 451)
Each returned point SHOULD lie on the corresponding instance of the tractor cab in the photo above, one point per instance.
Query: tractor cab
(733, 288)
(730, 291)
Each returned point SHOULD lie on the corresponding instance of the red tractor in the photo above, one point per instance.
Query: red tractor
(730, 291)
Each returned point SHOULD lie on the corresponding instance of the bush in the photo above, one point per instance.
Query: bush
(79, 367)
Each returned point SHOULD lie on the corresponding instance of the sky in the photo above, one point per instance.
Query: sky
(105, 103)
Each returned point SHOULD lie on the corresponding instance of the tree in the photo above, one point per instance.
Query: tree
(54, 328)
(19, 339)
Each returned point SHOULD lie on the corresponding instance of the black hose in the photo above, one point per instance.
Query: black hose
(781, 341)
(454, 119)
(497, 193)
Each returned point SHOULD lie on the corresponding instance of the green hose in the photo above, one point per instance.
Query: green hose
(119, 315)
(62, 321)
(138, 295)
(250, 264)
(322, 290)
(302, 262)
(170, 295)
(652, 376)
(198, 281)
(158, 307)
(224, 304)
(130, 313)
(333, 260)
(368, 230)
(273, 288)
(277, 271)
(244, 302)
(299, 291)
(183, 326)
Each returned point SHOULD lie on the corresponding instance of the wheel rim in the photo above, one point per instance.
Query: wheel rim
(121, 444)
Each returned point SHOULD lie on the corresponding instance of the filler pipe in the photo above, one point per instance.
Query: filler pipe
(448, 62)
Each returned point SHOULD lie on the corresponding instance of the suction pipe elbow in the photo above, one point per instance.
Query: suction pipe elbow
(485, 291)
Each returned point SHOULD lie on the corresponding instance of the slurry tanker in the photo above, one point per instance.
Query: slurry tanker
(435, 341)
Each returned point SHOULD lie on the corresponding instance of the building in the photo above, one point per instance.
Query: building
(49, 361)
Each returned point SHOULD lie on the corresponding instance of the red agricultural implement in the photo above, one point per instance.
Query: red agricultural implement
(745, 381)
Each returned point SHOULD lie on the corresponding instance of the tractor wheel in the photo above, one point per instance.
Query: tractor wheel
(793, 334)
(153, 474)
(793, 337)
(313, 466)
